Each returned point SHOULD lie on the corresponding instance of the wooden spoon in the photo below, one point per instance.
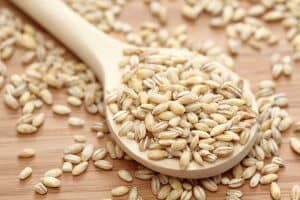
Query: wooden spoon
(102, 54)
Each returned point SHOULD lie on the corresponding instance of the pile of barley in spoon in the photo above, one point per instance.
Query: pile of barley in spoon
(181, 106)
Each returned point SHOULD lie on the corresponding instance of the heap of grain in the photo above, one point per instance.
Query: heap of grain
(179, 105)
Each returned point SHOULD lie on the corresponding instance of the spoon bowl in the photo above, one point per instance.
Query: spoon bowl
(102, 54)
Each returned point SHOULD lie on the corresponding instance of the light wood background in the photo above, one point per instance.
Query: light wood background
(95, 184)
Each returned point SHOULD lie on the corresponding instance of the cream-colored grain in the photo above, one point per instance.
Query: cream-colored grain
(56, 172)
(39, 188)
(125, 175)
(103, 164)
(275, 191)
(80, 168)
(51, 182)
(26, 153)
(119, 191)
(25, 173)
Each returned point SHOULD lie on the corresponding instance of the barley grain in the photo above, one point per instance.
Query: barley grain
(270, 168)
(74, 101)
(103, 164)
(119, 152)
(80, 168)
(99, 154)
(209, 184)
(87, 152)
(75, 121)
(275, 191)
(26, 129)
(285, 124)
(144, 174)
(25, 173)
(269, 178)
(26, 153)
(74, 159)
(46, 96)
(133, 194)
(119, 191)
(39, 188)
(199, 193)
(74, 148)
(67, 167)
(51, 182)
(79, 138)
(125, 175)
(238, 171)
(61, 109)
(254, 181)
(279, 161)
(236, 182)
(249, 172)
(157, 154)
(295, 144)
(56, 172)
(295, 192)
(110, 146)
(223, 151)
(155, 185)
(11, 101)
(235, 193)
(38, 119)
(185, 159)
(164, 192)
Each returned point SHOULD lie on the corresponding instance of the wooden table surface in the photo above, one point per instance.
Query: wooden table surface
(95, 184)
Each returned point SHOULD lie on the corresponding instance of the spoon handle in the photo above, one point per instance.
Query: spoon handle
(86, 41)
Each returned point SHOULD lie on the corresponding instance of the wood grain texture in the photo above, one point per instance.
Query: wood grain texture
(95, 184)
